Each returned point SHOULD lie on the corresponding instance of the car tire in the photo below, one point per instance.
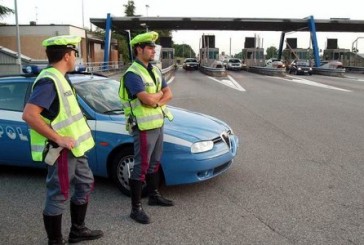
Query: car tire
(122, 165)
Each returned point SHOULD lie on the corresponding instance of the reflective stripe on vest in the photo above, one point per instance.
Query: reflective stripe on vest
(146, 117)
(69, 121)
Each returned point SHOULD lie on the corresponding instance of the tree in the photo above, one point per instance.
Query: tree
(183, 51)
(129, 8)
(5, 11)
(271, 52)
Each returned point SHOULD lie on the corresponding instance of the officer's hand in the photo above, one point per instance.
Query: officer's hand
(67, 142)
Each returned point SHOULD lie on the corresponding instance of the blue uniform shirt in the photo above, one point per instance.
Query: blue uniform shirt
(45, 95)
(134, 83)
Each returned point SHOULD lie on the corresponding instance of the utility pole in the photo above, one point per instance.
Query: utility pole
(230, 47)
(17, 36)
(147, 7)
(83, 16)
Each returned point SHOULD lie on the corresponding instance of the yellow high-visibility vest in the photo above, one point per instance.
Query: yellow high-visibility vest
(69, 121)
(146, 117)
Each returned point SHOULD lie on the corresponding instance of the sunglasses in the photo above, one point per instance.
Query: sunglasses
(76, 52)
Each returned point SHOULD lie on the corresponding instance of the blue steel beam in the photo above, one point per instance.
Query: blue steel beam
(312, 27)
(107, 41)
(283, 34)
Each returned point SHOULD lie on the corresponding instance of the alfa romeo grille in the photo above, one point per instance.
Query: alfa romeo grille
(224, 137)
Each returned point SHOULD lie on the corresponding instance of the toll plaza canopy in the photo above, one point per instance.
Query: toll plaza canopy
(121, 24)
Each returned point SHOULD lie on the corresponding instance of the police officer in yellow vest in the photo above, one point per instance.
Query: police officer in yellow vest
(144, 94)
(60, 136)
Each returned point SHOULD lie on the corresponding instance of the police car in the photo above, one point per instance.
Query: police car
(197, 147)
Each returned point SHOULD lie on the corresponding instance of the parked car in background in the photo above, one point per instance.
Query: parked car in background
(274, 63)
(197, 147)
(331, 64)
(300, 67)
(233, 64)
(190, 64)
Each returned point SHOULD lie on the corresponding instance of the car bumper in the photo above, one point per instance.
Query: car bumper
(304, 72)
(189, 168)
(191, 67)
(234, 68)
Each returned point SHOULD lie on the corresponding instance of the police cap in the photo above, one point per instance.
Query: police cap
(147, 38)
(62, 42)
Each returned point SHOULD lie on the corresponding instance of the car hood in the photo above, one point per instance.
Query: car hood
(194, 126)
(190, 126)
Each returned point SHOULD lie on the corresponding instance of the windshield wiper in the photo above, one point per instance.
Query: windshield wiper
(113, 111)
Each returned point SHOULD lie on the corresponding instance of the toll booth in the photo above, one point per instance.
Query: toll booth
(291, 52)
(345, 56)
(167, 57)
(208, 56)
(253, 57)
(333, 52)
(167, 52)
(208, 52)
(342, 55)
(252, 54)
(297, 54)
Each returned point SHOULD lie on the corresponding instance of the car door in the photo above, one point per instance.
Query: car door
(14, 133)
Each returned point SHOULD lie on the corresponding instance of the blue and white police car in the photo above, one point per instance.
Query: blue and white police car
(197, 147)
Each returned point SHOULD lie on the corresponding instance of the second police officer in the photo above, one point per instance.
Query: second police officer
(144, 94)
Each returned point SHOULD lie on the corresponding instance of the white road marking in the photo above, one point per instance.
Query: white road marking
(170, 80)
(230, 83)
(311, 83)
(355, 79)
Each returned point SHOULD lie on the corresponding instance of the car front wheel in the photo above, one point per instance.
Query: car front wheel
(122, 166)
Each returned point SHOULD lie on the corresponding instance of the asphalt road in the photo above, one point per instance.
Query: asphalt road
(297, 178)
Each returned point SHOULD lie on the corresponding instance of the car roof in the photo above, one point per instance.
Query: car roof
(75, 77)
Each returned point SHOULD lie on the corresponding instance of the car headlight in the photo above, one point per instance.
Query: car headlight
(202, 146)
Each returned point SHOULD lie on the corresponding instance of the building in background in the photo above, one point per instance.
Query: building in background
(91, 48)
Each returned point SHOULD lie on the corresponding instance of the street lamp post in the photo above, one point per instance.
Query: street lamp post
(17, 36)
(145, 25)
(147, 7)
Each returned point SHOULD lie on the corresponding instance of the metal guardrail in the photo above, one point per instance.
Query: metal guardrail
(354, 69)
(168, 72)
(101, 67)
(215, 72)
(338, 72)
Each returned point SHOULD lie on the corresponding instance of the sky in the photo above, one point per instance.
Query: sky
(79, 12)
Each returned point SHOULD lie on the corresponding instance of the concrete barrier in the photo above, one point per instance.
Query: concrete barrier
(214, 72)
(338, 72)
(269, 71)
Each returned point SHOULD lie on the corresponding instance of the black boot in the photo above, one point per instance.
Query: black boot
(79, 232)
(53, 226)
(155, 198)
(137, 212)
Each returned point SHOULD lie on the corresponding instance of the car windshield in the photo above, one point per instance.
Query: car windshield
(302, 63)
(190, 60)
(234, 61)
(101, 95)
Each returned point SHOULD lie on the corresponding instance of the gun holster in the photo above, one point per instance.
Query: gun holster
(51, 153)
